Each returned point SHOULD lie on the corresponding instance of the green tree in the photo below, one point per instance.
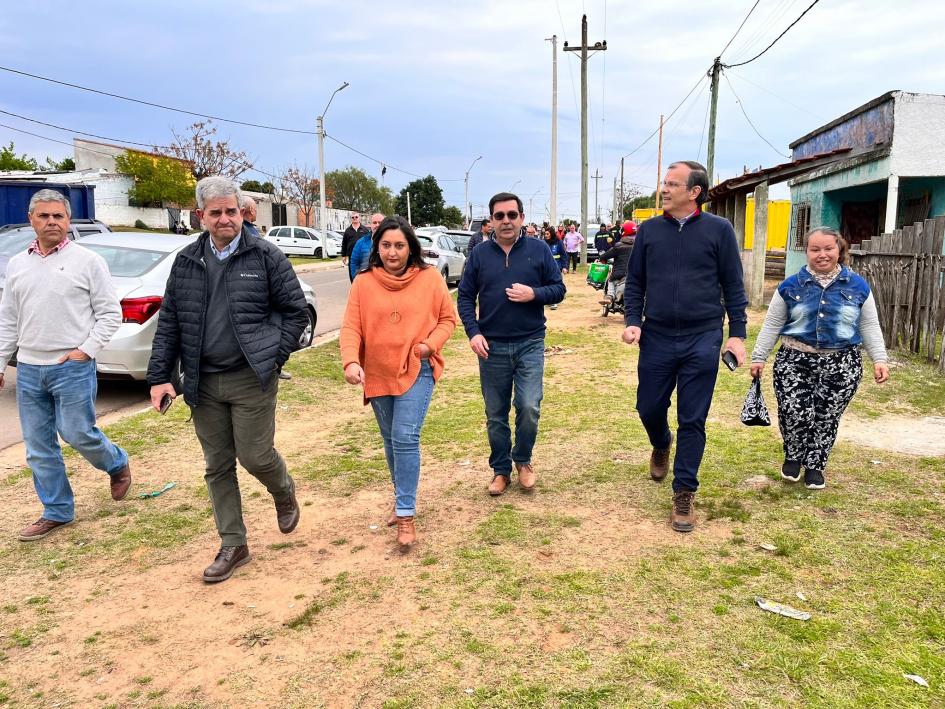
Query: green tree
(158, 181)
(64, 165)
(9, 160)
(426, 201)
(453, 217)
(640, 202)
(251, 186)
(354, 189)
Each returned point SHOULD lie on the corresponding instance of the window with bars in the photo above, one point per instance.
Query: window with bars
(800, 223)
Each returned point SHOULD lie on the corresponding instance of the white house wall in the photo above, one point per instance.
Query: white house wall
(918, 148)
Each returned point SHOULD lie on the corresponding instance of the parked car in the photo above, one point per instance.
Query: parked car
(442, 252)
(301, 241)
(17, 237)
(461, 238)
(139, 265)
(78, 228)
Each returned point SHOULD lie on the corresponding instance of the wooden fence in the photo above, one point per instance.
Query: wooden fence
(906, 272)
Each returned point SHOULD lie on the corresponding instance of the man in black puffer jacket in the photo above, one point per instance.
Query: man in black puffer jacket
(232, 313)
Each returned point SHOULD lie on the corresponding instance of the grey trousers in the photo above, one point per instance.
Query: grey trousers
(236, 420)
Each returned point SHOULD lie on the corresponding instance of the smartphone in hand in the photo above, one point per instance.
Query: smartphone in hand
(166, 402)
(730, 360)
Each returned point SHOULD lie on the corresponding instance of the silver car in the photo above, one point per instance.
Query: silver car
(440, 251)
(140, 265)
(301, 241)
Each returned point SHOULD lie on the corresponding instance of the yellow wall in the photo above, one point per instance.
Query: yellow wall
(779, 222)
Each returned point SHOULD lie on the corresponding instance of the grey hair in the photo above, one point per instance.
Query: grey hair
(246, 200)
(50, 196)
(214, 187)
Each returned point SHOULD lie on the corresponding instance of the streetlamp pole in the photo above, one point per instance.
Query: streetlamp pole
(323, 210)
(468, 205)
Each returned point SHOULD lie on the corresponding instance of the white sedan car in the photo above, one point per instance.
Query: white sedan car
(301, 241)
(139, 265)
(440, 251)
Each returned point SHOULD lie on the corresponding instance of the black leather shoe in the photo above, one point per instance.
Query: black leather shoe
(287, 511)
(227, 561)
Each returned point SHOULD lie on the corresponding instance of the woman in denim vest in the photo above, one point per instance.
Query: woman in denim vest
(823, 314)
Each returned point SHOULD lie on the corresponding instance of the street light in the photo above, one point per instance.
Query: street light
(513, 186)
(530, 201)
(468, 205)
(323, 211)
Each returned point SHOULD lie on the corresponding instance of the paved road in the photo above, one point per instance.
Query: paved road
(331, 290)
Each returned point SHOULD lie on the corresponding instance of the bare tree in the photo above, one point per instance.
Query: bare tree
(301, 186)
(207, 156)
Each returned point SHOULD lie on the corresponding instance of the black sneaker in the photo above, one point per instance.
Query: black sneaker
(791, 471)
(814, 479)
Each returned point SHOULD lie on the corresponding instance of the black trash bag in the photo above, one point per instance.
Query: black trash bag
(754, 411)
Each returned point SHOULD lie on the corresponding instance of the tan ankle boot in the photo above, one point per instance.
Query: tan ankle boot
(406, 533)
(392, 518)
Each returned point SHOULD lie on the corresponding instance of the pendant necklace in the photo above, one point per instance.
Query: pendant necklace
(394, 315)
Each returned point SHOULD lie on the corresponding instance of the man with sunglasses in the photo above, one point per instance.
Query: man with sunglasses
(351, 236)
(685, 276)
(512, 277)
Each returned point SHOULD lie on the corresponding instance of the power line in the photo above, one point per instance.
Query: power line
(386, 164)
(778, 96)
(666, 120)
(742, 107)
(773, 19)
(152, 104)
(739, 28)
(749, 61)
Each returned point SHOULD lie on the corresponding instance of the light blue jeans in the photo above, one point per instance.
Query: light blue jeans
(61, 398)
(400, 419)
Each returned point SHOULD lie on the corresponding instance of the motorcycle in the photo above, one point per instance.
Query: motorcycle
(599, 278)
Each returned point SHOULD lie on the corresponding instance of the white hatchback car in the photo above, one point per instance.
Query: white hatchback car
(440, 251)
(301, 241)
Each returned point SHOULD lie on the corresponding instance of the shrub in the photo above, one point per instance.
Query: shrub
(140, 224)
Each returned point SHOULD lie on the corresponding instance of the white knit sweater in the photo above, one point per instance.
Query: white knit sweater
(56, 304)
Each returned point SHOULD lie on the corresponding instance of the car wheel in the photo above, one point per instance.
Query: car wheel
(317, 253)
(308, 334)
(446, 274)
(177, 378)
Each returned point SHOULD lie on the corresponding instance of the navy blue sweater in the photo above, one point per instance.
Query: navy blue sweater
(680, 274)
(489, 272)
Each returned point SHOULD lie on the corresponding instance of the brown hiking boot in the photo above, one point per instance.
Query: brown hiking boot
(392, 520)
(406, 533)
(228, 560)
(526, 476)
(683, 518)
(40, 528)
(121, 482)
(287, 511)
(498, 485)
(659, 461)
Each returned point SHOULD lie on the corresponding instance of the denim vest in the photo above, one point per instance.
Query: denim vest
(825, 318)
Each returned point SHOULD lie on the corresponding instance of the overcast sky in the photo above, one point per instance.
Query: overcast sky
(434, 85)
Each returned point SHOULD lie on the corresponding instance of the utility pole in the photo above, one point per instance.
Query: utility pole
(713, 110)
(659, 167)
(554, 127)
(613, 213)
(322, 210)
(601, 47)
(409, 220)
(621, 190)
(596, 177)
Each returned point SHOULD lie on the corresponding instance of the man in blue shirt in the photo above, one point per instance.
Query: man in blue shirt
(361, 251)
(684, 264)
(513, 278)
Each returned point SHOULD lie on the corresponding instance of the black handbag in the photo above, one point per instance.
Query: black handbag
(754, 411)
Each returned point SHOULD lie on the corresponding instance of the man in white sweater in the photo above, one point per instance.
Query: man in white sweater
(59, 308)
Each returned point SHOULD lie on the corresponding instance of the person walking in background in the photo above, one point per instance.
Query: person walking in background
(620, 255)
(485, 229)
(350, 238)
(572, 244)
(361, 251)
(603, 239)
(398, 317)
(822, 314)
(59, 309)
(683, 265)
(248, 209)
(557, 252)
(232, 313)
(511, 278)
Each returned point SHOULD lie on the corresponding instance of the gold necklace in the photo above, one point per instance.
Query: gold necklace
(395, 315)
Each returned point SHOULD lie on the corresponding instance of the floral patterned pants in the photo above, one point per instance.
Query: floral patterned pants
(813, 391)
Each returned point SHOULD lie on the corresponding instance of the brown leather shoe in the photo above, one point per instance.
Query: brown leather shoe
(526, 476)
(683, 518)
(287, 511)
(40, 528)
(659, 461)
(227, 561)
(392, 520)
(406, 533)
(121, 482)
(498, 485)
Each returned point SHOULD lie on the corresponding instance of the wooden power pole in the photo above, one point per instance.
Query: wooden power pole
(713, 111)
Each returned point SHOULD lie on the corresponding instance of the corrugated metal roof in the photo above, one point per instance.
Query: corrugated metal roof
(775, 174)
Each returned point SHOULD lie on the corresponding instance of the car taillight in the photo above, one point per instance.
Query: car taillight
(430, 254)
(140, 310)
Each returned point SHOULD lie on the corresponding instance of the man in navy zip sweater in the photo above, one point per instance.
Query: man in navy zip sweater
(683, 266)
(513, 278)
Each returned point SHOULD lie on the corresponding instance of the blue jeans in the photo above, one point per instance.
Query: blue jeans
(519, 366)
(61, 398)
(400, 419)
(690, 365)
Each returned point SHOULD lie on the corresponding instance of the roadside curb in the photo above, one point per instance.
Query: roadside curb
(335, 264)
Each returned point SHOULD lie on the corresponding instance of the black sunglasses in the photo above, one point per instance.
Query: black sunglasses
(500, 216)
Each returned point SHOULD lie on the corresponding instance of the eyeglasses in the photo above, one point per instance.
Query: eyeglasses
(673, 185)
(500, 216)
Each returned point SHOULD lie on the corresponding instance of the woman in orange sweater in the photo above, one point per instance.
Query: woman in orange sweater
(399, 316)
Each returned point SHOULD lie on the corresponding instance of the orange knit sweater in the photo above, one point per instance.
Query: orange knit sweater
(384, 348)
